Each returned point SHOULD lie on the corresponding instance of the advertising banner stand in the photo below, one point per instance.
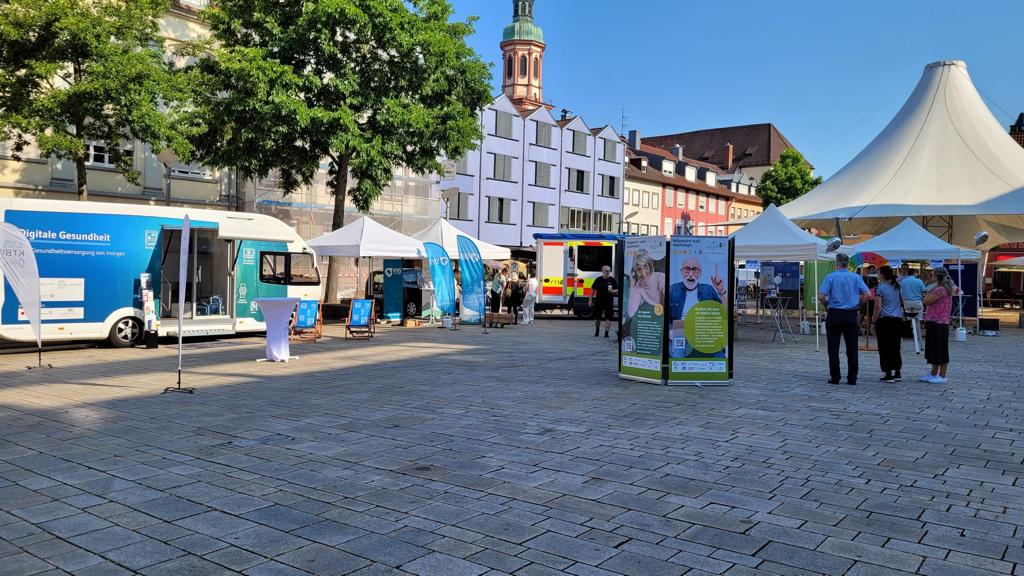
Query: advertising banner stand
(183, 249)
(676, 325)
(18, 265)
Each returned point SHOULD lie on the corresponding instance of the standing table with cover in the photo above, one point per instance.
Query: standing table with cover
(277, 313)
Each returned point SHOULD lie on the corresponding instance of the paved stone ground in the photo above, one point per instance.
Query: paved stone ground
(519, 452)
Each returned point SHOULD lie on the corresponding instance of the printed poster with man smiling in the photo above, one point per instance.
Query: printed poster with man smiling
(699, 310)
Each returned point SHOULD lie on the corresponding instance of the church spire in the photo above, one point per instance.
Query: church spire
(522, 54)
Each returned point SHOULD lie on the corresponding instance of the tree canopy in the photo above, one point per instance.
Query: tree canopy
(362, 85)
(789, 178)
(75, 72)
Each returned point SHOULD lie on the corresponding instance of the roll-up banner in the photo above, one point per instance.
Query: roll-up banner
(394, 291)
(442, 277)
(700, 310)
(642, 303)
(471, 273)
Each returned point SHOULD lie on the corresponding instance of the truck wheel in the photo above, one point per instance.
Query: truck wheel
(583, 310)
(125, 332)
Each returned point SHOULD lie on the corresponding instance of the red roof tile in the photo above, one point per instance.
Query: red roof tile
(753, 145)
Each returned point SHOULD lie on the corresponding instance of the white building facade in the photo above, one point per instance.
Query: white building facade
(532, 174)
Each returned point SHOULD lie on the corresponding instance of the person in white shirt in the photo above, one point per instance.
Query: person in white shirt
(530, 301)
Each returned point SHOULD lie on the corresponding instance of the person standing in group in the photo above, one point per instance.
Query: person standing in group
(516, 294)
(842, 293)
(888, 321)
(498, 288)
(530, 301)
(602, 300)
(938, 305)
(912, 291)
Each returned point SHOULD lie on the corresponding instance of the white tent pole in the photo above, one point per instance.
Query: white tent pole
(959, 284)
(817, 322)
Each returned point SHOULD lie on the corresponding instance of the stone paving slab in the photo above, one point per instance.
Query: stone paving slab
(429, 451)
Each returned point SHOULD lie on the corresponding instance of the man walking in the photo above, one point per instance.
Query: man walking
(602, 301)
(842, 293)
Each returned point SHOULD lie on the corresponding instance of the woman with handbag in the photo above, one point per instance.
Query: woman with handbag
(888, 321)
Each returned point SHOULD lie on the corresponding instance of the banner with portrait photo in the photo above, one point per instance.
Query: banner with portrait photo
(699, 310)
(643, 309)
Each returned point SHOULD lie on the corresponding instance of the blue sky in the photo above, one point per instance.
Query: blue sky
(829, 74)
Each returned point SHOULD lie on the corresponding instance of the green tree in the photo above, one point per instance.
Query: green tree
(788, 179)
(362, 85)
(74, 72)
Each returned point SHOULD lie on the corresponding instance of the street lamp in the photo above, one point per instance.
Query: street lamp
(167, 157)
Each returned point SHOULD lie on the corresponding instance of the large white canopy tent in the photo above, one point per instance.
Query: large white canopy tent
(943, 160)
(366, 238)
(444, 233)
(909, 241)
(772, 236)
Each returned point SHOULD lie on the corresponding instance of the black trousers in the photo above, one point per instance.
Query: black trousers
(888, 329)
(842, 325)
(495, 302)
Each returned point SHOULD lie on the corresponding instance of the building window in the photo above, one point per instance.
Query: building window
(101, 155)
(668, 167)
(609, 186)
(647, 200)
(668, 197)
(609, 150)
(655, 202)
(579, 142)
(668, 225)
(702, 229)
(543, 134)
(508, 67)
(712, 203)
(579, 181)
(654, 229)
(541, 215)
(721, 230)
(522, 66)
(462, 165)
(542, 175)
(609, 222)
(574, 219)
(502, 124)
(458, 206)
(636, 197)
(703, 202)
(721, 206)
(732, 213)
(682, 198)
(499, 210)
(536, 67)
(192, 171)
(691, 173)
(503, 168)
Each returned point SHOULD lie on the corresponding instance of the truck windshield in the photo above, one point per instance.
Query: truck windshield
(289, 268)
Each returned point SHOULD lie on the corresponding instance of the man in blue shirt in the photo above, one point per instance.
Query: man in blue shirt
(842, 293)
(912, 292)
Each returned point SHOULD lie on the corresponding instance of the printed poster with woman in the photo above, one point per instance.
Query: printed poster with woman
(699, 309)
(643, 308)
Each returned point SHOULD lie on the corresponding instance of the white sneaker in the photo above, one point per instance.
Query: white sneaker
(938, 380)
(925, 378)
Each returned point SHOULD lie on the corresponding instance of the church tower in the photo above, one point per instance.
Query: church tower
(522, 51)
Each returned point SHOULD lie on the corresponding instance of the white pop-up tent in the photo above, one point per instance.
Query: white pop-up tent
(772, 236)
(943, 160)
(366, 238)
(445, 234)
(909, 241)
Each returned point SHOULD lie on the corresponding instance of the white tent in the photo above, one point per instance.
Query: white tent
(444, 233)
(943, 160)
(367, 238)
(909, 241)
(772, 236)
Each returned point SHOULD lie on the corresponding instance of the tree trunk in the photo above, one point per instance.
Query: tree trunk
(240, 179)
(337, 221)
(80, 177)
